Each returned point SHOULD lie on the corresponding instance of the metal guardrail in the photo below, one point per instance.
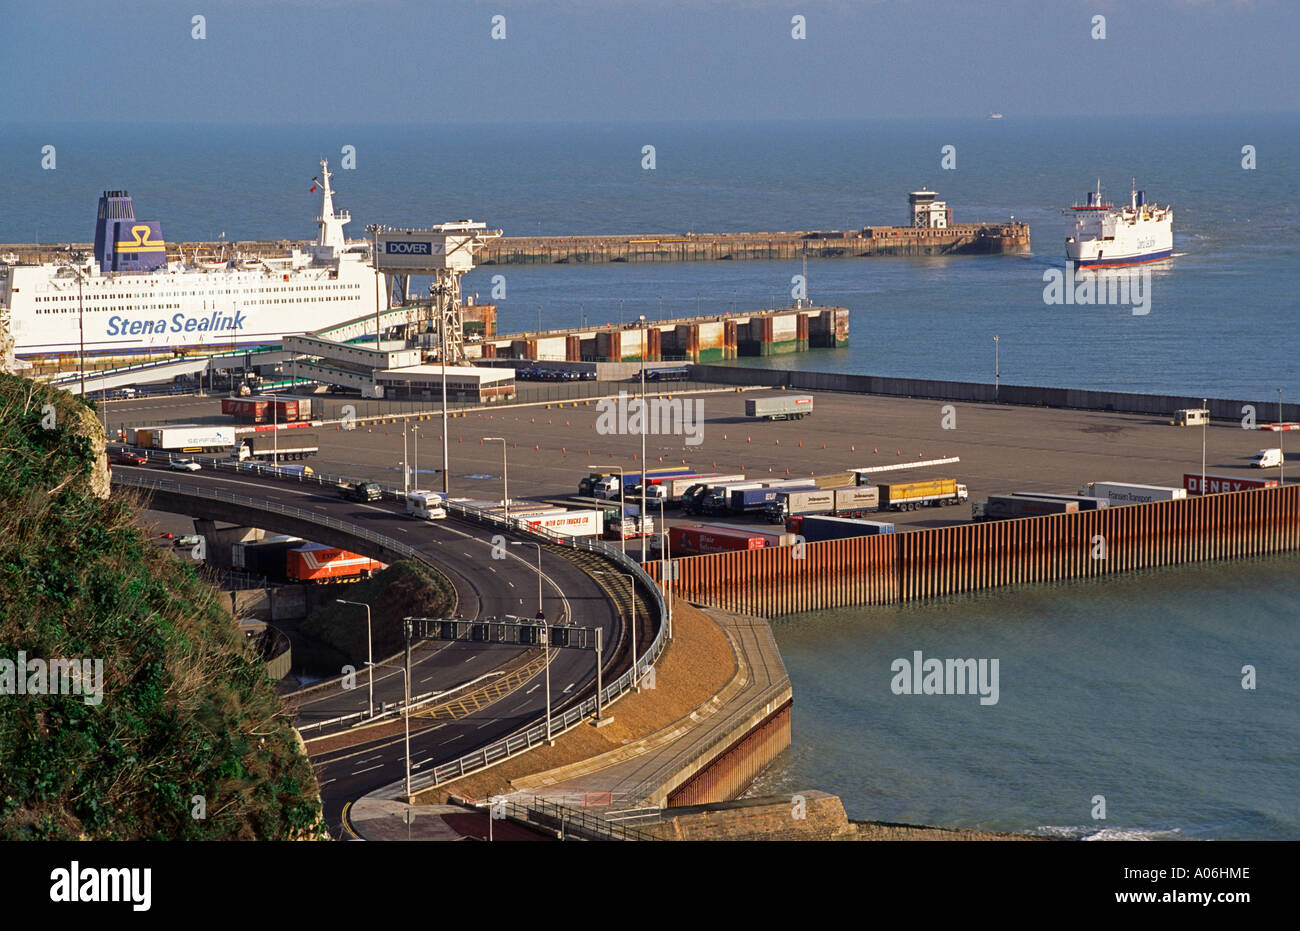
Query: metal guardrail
(525, 738)
(569, 821)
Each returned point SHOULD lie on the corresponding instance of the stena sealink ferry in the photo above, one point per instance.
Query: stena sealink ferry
(135, 303)
(1108, 238)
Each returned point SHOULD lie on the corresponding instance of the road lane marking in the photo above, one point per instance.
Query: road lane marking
(566, 688)
(368, 769)
(532, 690)
(445, 742)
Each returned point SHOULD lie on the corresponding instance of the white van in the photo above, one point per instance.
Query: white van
(1267, 458)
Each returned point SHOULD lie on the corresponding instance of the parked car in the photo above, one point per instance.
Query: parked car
(186, 465)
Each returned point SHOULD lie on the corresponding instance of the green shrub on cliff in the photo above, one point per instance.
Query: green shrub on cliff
(188, 722)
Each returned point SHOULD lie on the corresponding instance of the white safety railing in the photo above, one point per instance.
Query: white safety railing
(523, 739)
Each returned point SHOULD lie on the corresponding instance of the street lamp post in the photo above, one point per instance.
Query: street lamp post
(663, 566)
(1205, 404)
(1281, 447)
(406, 717)
(505, 474)
(645, 416)
(406, 470)
(997, 369)
(370, 651)
(442, 357)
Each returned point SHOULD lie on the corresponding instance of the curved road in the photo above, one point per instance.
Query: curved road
(486, 587)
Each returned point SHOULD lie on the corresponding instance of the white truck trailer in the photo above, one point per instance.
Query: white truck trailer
(1119, 493)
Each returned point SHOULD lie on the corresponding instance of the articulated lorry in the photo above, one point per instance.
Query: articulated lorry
(1217, 484)
(1122, 493)
(568, 523)
(630, 524)
(360, 491)
(1010, 507)
(748, 500)
(697, 541)
(908, 496)
(1085, 502)
(843, 502)
(723, 499)
(770, 537)
(608, 486)
(284, 444)
(815, 528)
(779, 407)
(670, 490)
(183, 438)
(267, 410)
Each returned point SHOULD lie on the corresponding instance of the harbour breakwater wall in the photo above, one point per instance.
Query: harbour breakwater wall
(931, 563)
(1005, 238)
(869, 241)
(1159, 405)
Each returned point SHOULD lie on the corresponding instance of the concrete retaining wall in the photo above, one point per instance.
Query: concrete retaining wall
(1161, 405)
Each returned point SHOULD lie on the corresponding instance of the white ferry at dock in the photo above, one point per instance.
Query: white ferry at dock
(133, 303)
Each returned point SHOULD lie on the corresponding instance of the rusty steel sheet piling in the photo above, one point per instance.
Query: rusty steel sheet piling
(943, 561)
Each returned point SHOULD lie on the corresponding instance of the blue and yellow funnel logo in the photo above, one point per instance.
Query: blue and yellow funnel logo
(141, 241)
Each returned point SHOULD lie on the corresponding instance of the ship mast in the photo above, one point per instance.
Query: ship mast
(331, 223)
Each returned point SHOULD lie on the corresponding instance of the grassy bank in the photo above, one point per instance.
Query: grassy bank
(189, 740)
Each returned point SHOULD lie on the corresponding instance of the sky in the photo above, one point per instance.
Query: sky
(618, 61)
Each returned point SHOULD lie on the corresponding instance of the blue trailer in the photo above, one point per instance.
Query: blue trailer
(815, 528)
(744, 500)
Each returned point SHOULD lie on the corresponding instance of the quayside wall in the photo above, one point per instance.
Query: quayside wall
(1161, 405)
(941, 561)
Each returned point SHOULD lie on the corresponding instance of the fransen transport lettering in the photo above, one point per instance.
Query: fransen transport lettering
(180, 323)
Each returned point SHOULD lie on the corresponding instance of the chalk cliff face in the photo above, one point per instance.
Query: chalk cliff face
(86, 424)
